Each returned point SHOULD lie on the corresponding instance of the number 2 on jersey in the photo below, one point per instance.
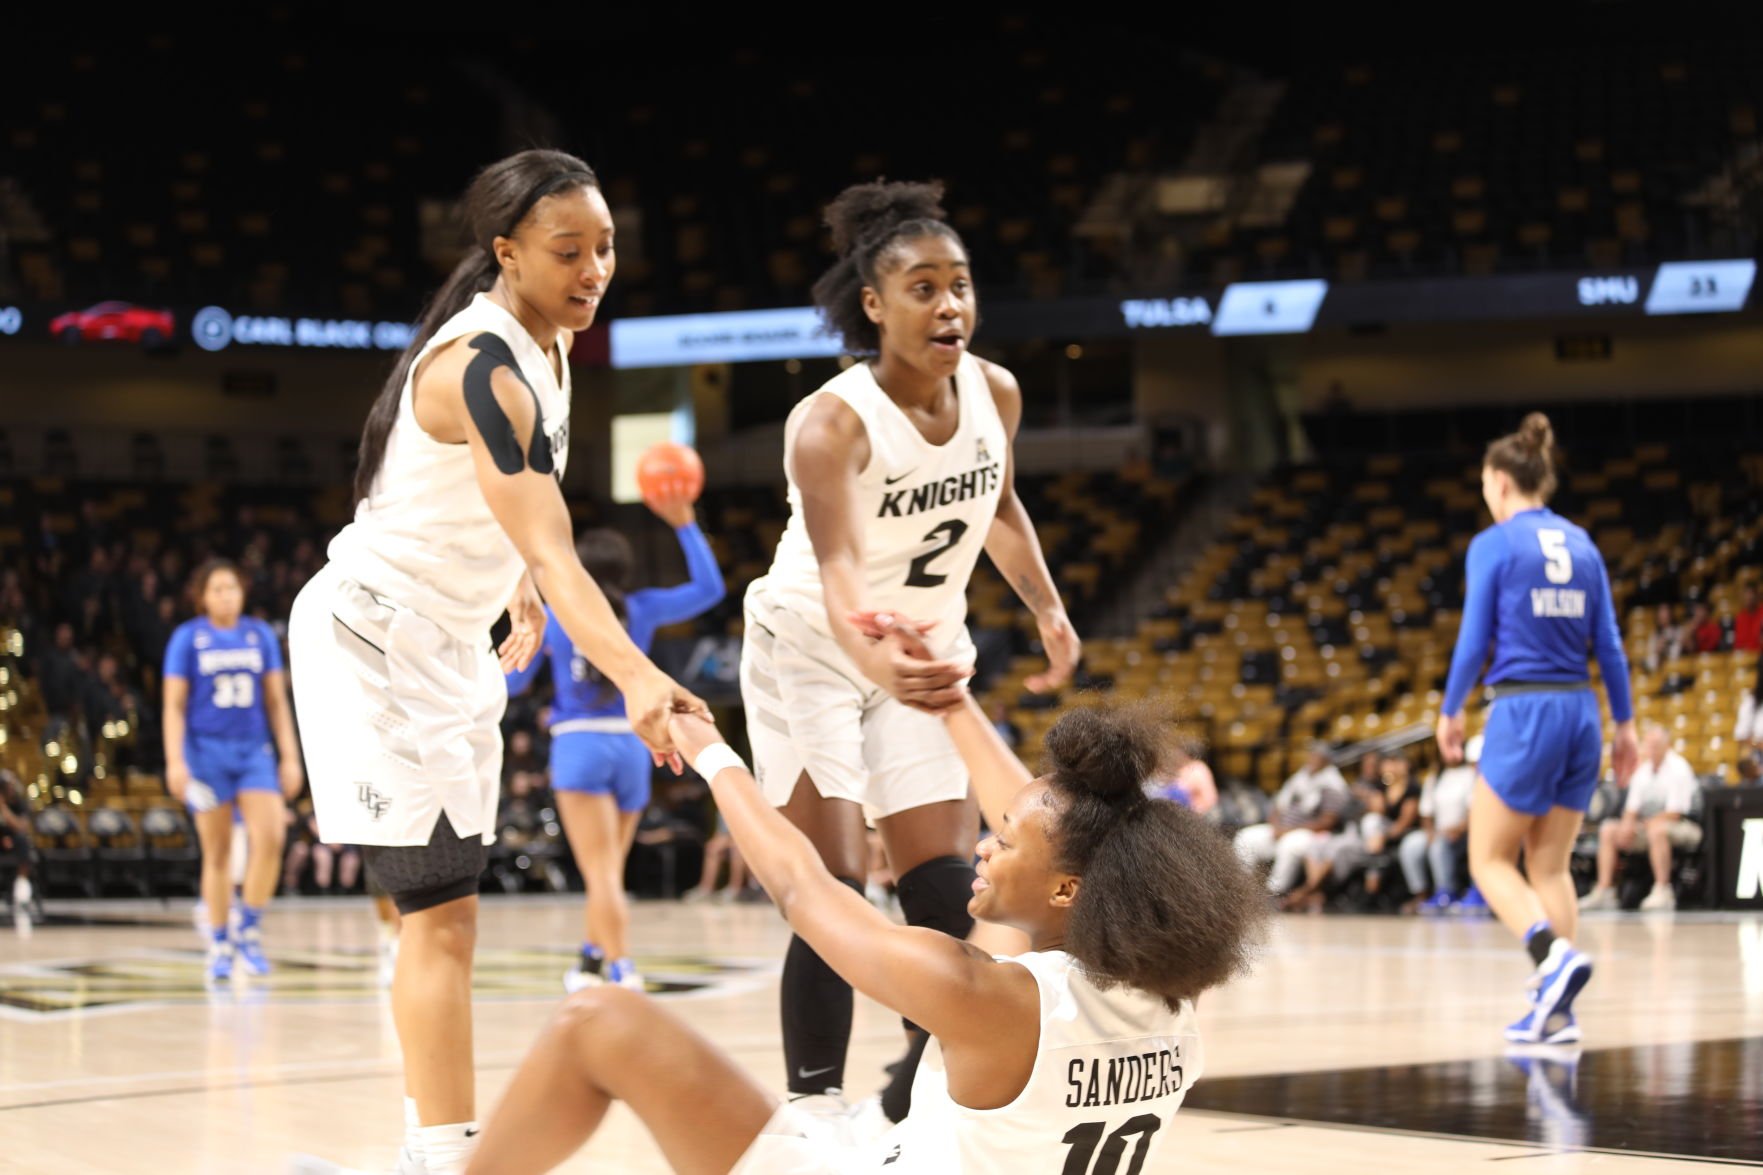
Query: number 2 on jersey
(920, 574)
(1558, 564)
(234, 691)
(1083, 1139)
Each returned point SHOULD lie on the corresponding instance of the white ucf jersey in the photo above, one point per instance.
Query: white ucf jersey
(926, 508)
(1110, 1072)
(424, 536)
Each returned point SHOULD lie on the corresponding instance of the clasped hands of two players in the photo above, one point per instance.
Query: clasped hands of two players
(903, 664)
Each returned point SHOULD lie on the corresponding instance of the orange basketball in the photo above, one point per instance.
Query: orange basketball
(664, 463)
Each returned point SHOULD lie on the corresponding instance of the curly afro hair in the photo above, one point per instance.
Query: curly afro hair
(1164, 905)
(866, 221)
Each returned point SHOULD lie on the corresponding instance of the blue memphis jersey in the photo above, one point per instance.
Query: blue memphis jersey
(1538, 598)
(225, 668)
(581, 690)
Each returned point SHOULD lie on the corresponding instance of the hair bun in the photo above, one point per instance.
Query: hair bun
(870, 210)
(1537, 433)
(1108, 753)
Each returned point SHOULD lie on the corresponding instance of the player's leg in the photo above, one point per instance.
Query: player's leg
(633, 774)
(1496, 836)
(929, 825)
(590, 822)
(435, 889)
(1521, 765)
(805, 724)
(266, 822)
(604, 1045)
(816, 1002)
(214, 832)
(1548, 855)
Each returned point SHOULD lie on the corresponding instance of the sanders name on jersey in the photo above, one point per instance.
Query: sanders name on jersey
(1121, 1081)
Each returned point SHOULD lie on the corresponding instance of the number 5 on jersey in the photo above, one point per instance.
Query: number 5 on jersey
(1558, 564)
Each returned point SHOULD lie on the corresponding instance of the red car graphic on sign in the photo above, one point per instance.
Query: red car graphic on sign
(115, 320)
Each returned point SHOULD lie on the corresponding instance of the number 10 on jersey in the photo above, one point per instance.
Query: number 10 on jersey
(1085, 1139)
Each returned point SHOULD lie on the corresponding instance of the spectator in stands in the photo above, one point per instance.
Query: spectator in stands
(1310, 804)
(1747, 623)
(719, 848)
(61, 673)
(1705, 631)
(1440, 846)
(1659, 798)
(15, 844)
(1191, 782)
(1750, 723)
(1750, 768)
(1391, 821)
(1667, 641)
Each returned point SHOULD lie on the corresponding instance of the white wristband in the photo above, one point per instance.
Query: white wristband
(714, 758)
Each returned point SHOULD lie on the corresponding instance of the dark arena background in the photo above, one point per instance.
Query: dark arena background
(1270, 284)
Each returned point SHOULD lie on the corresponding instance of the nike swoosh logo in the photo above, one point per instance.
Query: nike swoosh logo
(473, 1133)
(805, 1074)
(891, 480)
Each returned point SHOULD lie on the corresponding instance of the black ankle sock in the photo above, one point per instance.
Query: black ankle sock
(896, 1098)
(1538, 944)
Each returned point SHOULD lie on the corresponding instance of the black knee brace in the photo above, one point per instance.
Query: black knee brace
(421, 877)
(934, 895)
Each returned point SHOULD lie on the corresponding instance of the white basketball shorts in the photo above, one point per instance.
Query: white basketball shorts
(400, 720)
(810, 709)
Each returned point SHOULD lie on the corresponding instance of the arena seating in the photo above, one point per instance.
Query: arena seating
(1330, 606)
(1600, 156)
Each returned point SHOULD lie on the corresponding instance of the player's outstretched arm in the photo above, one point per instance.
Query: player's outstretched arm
(1015, 549)
(955, 992)
(511, 456)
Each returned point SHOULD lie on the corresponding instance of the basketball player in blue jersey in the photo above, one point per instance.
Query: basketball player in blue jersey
(900, 471)
(226, 693)
(600, 770)
(1537, 603)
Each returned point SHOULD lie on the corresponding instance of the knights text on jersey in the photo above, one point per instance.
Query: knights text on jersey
(424, 536)
(926, 508)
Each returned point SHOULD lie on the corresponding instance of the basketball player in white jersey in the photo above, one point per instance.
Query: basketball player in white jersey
(459, 517)
(1071, 1055)
(900, 473)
